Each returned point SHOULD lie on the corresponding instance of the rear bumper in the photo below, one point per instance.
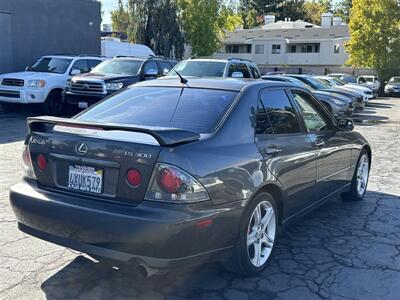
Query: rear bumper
(152, 234)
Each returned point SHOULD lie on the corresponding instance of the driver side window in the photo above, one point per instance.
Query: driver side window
(313, 120)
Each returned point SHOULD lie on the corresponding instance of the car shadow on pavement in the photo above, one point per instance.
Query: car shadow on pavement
(342, 249)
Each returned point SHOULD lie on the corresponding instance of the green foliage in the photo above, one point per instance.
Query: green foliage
(343, 9)
(201, 24)
(120, 18)
(314, 8)
(375, 35)
(152, 23)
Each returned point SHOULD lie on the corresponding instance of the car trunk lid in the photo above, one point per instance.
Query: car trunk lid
(92, 160)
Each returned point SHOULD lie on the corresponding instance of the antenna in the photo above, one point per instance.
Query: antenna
(183, 80)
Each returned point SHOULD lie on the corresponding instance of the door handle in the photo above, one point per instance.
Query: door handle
(319, 143)
(271, 150)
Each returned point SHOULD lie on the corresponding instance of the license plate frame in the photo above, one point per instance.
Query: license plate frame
(85, 179)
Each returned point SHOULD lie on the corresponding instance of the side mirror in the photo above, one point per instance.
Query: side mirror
(345, 124)
(165, 72)
(75, 72)
(237, 75)
(151, 73)
(386, 81)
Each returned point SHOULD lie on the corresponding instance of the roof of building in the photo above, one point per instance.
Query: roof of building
(315, 33)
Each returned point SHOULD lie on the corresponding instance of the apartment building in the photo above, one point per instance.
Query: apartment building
(290, 44)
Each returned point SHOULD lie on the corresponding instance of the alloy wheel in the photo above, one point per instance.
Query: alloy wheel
(261, 233)
(362, 174)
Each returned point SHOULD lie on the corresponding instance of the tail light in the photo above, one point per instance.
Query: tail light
(171, 184)
(134, 177)
(27, 162)
(41, 162)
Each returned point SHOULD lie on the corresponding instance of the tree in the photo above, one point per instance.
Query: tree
(120, 18)
(252, 10)
(201, 24)
(374, 35)
(343, 9)
(314, 9)
(152, 23)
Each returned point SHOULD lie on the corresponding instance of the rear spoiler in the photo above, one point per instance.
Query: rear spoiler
(165, 136)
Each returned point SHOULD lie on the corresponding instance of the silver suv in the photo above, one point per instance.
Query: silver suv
(223, 68)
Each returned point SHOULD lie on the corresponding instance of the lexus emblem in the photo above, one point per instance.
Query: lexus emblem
(81, 148)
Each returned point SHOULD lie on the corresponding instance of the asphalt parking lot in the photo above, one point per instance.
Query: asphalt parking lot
(343, 250)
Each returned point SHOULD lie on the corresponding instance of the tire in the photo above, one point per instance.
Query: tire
(360, 178)
(244, 261)
(9, 107)
(53, 105)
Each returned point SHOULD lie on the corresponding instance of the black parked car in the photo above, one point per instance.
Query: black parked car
(111, 76)
(165, 174)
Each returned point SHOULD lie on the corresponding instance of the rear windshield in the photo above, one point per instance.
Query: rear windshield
(199, 69)
(197, 110)
(118, 67)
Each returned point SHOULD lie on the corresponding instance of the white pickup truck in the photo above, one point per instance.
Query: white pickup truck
(43, 82)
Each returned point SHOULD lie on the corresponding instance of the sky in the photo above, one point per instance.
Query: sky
(108, 5)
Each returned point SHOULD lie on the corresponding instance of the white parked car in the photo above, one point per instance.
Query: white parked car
(43, 82)
(366, 92)
(370, 81)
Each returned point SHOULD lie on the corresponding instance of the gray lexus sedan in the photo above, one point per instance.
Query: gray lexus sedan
(170, 173)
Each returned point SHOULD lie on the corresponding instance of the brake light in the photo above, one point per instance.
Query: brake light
(169, 180)
(41, 162)
(134, 177)
(27, 163)
(171, 184)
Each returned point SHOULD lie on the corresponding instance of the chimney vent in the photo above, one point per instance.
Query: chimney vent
(326, 20)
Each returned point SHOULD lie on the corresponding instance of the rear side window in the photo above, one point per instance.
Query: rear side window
(243, 68)
(255, 72)
(198, 110)
(276, 115)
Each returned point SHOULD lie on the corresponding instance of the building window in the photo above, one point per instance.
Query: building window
(238, 48)
(336, 48)
(259, 49)
(276, 49)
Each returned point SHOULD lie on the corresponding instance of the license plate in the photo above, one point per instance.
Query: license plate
(83, 105)
(86, 179)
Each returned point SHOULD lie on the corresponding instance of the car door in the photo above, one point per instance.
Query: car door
(287, 150)
(333, 151)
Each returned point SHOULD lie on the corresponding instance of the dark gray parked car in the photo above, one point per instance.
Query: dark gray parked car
(165, 174)
(337, 104)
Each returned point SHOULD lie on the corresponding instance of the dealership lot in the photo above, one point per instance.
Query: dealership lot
(346, 250)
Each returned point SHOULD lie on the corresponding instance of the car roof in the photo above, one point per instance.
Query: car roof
(73, 56)
(231, 84)
(222, 60)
